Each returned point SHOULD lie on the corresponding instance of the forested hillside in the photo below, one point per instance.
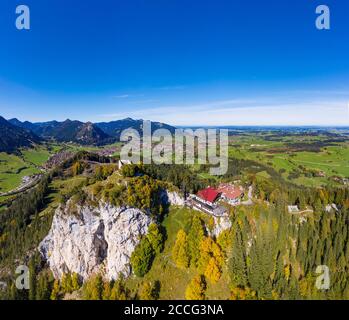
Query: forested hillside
(266, 253)
(13, 137)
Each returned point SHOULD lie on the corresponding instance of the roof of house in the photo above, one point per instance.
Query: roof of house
(230, 191)
(293, 209)
(209, 194)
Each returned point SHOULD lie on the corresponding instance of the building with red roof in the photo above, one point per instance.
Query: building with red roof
(230, 193)
(205, 201)
(209, 195)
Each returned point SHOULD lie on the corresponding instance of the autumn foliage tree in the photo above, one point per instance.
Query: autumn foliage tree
(195, 236)
(239, 293)
(196, 288)
(104, 171)
(148, 291)
(93, 288)
(55, 290)
(213, 271)
(211, 259)
(106, 290)
(119, 291)
(77, 168)
(180, 251)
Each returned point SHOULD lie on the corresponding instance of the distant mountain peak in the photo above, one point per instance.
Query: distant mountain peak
(114, 128)
(2, 120)
(13, 120)
(13, 137)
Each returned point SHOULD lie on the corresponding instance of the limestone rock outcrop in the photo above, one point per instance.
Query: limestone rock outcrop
(172, 198)
(220, 224)
(92, 240)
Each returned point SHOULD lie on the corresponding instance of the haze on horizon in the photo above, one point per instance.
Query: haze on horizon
(214, 63)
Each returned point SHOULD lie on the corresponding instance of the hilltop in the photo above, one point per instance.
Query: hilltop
(114, 128)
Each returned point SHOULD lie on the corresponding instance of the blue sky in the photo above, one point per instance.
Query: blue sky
(236, 62)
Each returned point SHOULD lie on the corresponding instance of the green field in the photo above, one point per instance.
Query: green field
(36, 156)
(13, 167)
(333, 160)
(329, 161)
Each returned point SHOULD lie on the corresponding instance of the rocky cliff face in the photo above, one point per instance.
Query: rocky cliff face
(172, 198)
(220, 224)
(93, 240)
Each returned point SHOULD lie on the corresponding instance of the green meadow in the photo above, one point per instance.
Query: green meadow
(295, 165)
(174, 280)
(36, 156)
(13, 167)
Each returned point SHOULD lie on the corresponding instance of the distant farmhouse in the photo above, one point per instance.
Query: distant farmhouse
(293, 209)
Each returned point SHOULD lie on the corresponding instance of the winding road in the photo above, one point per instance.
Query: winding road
(23, 187)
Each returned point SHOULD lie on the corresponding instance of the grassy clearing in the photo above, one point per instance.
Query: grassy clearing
(56, 189)
(65, 186)
(173, 279)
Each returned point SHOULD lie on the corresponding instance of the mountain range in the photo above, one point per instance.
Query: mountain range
(13, 137)
(15, 133)
(114, 128)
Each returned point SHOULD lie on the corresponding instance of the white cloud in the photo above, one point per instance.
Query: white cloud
(122, 96)
(246, 112)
